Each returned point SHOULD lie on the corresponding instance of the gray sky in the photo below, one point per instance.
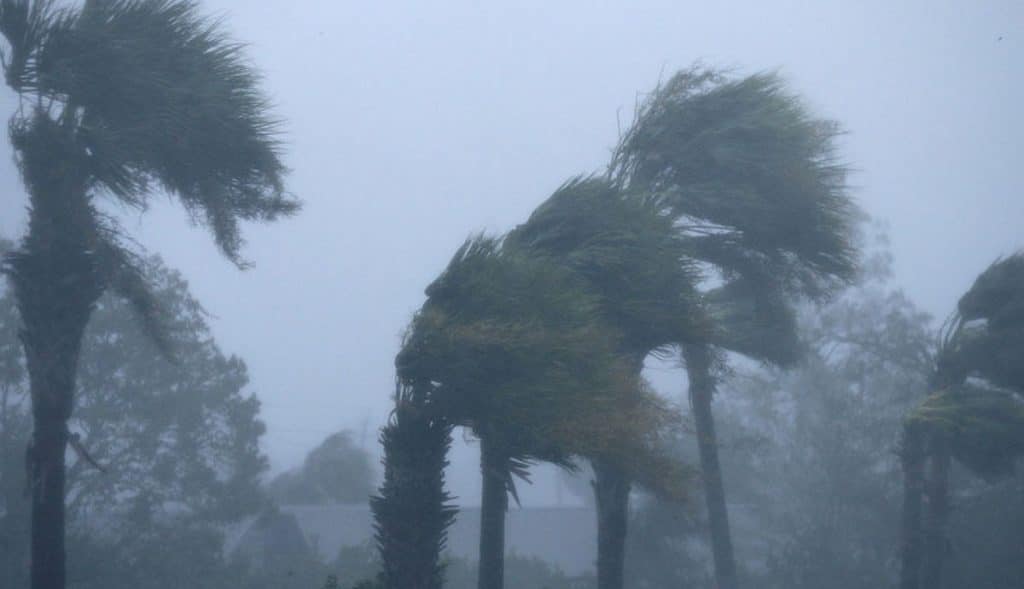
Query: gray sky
(411, 125)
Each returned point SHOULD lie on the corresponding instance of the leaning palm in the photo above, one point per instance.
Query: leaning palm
(118, 99)
(632, 260)
(752, 183)
(975, 415)
(511, 348)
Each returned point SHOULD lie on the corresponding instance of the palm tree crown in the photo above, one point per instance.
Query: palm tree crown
(147, 92)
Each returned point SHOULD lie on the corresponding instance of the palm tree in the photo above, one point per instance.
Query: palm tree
(979, 425)
(635, 264)
(511, 348)
(752, 183)
(117, 98)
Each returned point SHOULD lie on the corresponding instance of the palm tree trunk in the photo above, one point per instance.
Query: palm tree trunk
(51, 337)
(912, 456)
(702, 388)
(612, 486)
(56, 284)
(47, 471)
(412, 512)
(611, 490)
(494, 466)
(938, 513)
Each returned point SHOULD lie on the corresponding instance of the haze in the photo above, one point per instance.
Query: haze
(410, 126)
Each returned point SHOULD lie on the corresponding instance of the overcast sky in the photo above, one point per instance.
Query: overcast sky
(411, 125)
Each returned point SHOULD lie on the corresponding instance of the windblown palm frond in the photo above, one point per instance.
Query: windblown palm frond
(512, 349)
(124, 272)
(990, 339)
(750, 175)
(755, 321)
(155, 93)
(639, 434)
(997, 294)
(984, 427)
(633, 260)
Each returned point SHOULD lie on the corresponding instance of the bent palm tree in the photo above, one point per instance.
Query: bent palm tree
(980, 424)
(752, 183)
(636, 266)
(511, 348)
(117, 97)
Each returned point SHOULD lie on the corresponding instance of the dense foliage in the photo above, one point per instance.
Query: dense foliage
(169, 452)
(336, 471)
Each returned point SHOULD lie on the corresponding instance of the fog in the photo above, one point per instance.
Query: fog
(409, 126)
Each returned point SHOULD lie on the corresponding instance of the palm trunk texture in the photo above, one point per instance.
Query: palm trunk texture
(56, 285)
(611, 490)
(938, 513)
(702, 388)
(913, 459)
(412, 513)
(494, 466)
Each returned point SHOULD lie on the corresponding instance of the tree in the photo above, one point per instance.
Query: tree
(635, 264)
(510, 346)
(978, 422)
(178, 445)
(336, 471)
(752, 181)
(117, 97)
(809, 451)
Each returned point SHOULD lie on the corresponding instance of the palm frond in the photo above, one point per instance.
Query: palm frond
(638, 433)
(157, 94)
(998, 292)
(124, 273)
(985, 427)
(629, 253)
(753, 320)
(985, 337)
(512, 346)
(746, 170)
(27, 24)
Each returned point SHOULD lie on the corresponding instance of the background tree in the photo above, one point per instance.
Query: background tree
(14, 430)
(336, 471)
(811, 449)
(117, 97)
(178, 444)
(753, 183)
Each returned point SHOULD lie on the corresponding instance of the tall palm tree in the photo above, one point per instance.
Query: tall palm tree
(511, 348)
(979, 423)
(752, 182)
(635, 264)
(118, 98)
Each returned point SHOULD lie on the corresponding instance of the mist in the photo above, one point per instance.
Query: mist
(407, 129)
